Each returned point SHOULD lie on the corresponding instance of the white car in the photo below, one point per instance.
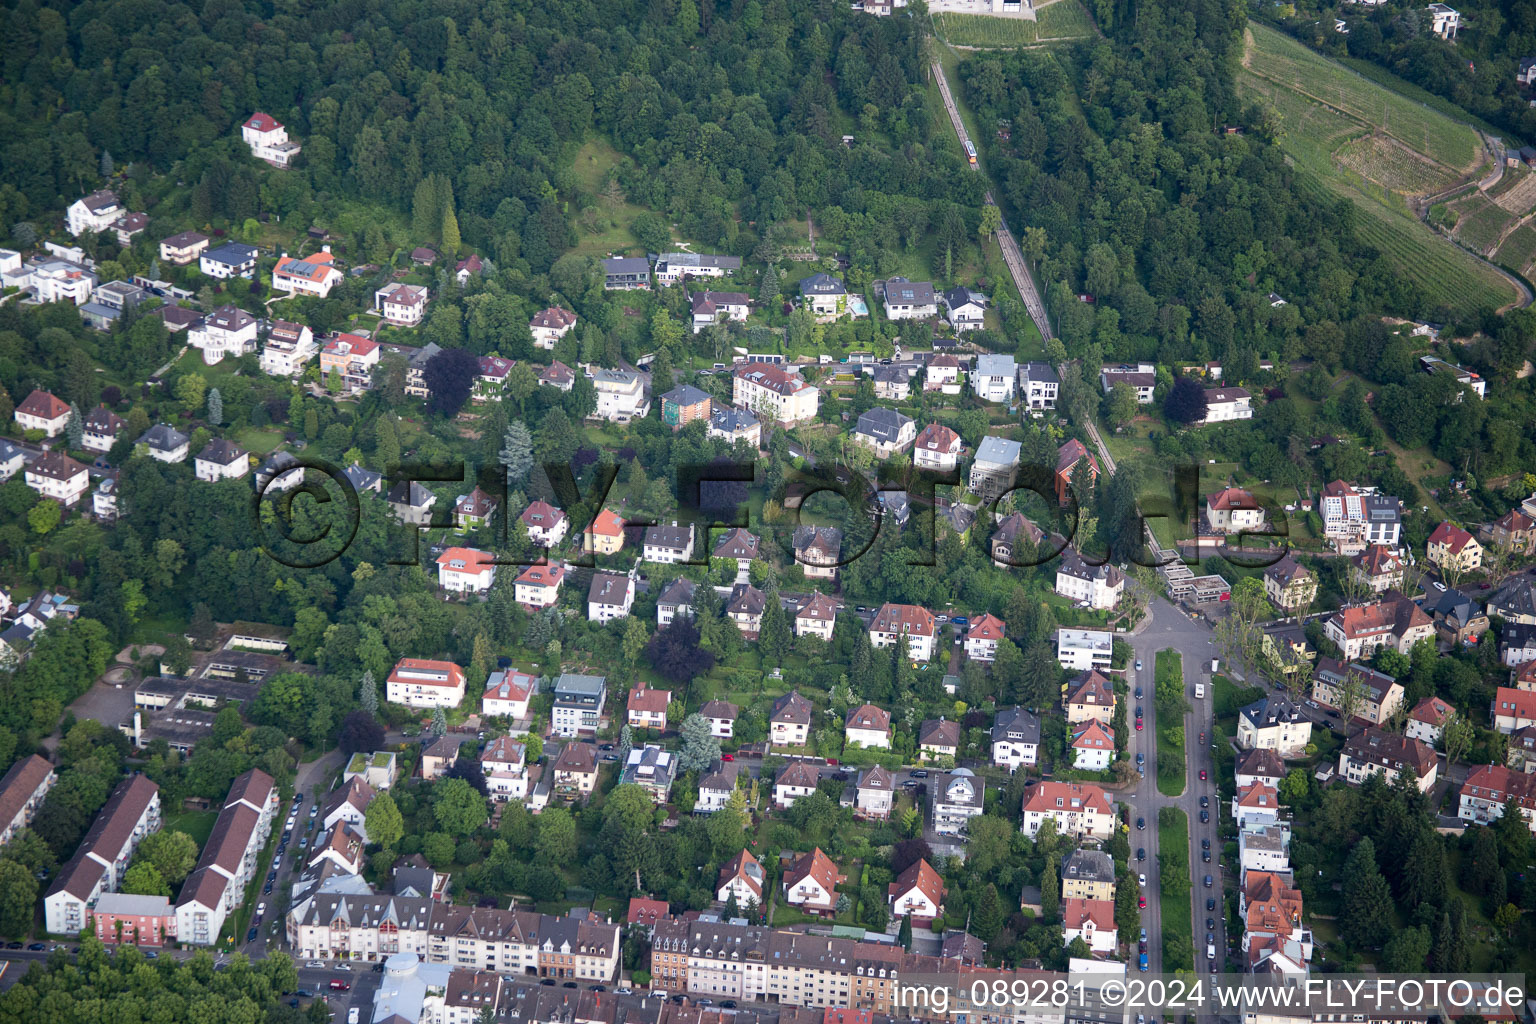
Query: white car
(352, 1016)
(343, 966)
(1142, 880)
(315, 963)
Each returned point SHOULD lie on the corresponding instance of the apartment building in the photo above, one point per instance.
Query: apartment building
(21, 793)
(130, 813)
(1078, 809)
(229, 860)
(1395, 622)
(894, 621)
(423, 683)
(1376, 696)
(578, 703)
(771, 393)
(288, 349)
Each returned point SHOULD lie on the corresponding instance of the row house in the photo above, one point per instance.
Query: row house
(130, 813)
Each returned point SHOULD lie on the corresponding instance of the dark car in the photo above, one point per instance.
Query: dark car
(1205, 817)
(728, 1004)
(1208, 881)
(378, 968)
(250, 936)
(151, 955)
(1210, 924)
(1141, 853)
(266, 890)
(1141, 823)
(13, 945)
(919, 773)
(304, 992)
(1210, 903)
(36, 947)
(547, 981)
(1138, 693)
(599, 988)
(1138, 711)
(1205, 855)
(1205, 843)
(1205, 801)
(570, 984)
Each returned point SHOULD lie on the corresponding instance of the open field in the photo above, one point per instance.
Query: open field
(603, 224)
(1059, 21)
(1354, 136)
(1063, 19)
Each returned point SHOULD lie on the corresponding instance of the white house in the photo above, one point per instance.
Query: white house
(1039, 386)
(165, 443)
(57, 280)
(269, 140)
(227, 331)
(769, 392)
(423, 683)
(795, 780)
(288, 348)
(1078, 808)
(221, 460)
(609, 597)
(811, 883)
(1083, 649)
(1232, 510)
(1097, 586)
(955, 798)
(918, 892)
(825, 296)
(404, 305)
(716, 308)
(1428, 719)
(508, 693)
(95, 212)
(1015, 738)
(893, 621)
(721, 716)
(1443, 20)
(965, 309)
(620, 395)
(578, 706)
(466, 570)
(1274, 723)
(503, 762)
(994, 378)
(1093, 746)
(672, 267)
(668, 544)
(550, 325)
(789, 722)
(538, 586)
(43, 411)
(983, 636)
(869, 727)
(885, 431)
(1093, 921)
(1223, 405)
(230, 860)
(936, 448)
(1141, 379)
(742, 877)
(232, 259)
(313, 275)
(546, 524)
(57, 476)
(909, 300)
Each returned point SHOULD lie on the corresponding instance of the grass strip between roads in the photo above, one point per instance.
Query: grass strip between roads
(1169, 695)
(1173, 889)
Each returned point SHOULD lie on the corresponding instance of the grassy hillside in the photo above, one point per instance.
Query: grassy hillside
(1058, 21)
(1357, 138)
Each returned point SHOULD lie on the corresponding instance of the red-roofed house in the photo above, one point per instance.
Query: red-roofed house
(467, 268)
(550, 325)
(466, 570)
(1078, 808)
(507, 693)
(404, 305)
(937, 447)
(1450, 547)
(605, 534)
(1067, 457)
(1232, 509)
(982, 638)
(1515, 530)
(546, 524)
(351, 359)
(492, 379)
(743, 876)
(647, 708)
(647, 912)
(1256, 803)
(1394, 622)
(1488, 787)
(811, 883)
(918, 892)
(868, 726)
(1093, 746)
(1513, 709)
(1093, 921)
(1428, 719)
(306, 275)
(914, 622)
(268, 140)
(423, 683)
(538, 586)
(42, 411)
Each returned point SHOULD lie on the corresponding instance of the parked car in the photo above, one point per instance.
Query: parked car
(1205, 801)
(1205, 817)
(1141, 853)
(727, 757)
(1138, 693)
(1208, 881)
(343, 966)
(1210, 903)
(1138, 664)
(1141, 824)
(337, 985)
(250, 935)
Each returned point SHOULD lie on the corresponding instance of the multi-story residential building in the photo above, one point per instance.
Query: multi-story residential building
(1141, 379)
(538, 586)
(938, 737)
(668, 545)
(1488, 790)
(867, 726)
(652, 769)
(1263, 848)
(816, 616)
(221, 460)
(684, 404)
(717, 308)
(739, 545)
(1274, 723)
(288, 348)
(811, 883)
(824, 295)
(1377, 696)
(892, 383)
(269, 140)
(721, 716)
(942, 374)
(164, 443)
(21, 793)
(1395, 622)
(1513, 709)
(466, 570)
(936, 448)
(818, 550)
(1428, 719)
(995, 468)
(909, 300)
(1079, 809)
(315, 274)
(627, 273)
(675, 600)
(546, 524)
(1354, 519)
(1013, 531)
(1093, 921)
(130, 813)
(742, 876)
(884, 431)
(745, 607)
(1274, 941)
(1015, 739)
(1259, 765)
(647, 708)
(771, 393)
(1378, 567)
(1084, 649)
(1039, 386)
(1453, 549)
(575, 771)
(1289, 584)
(1097, 586)
(43, 411)
(348, 360)
(1515, 601)
(183, 248)
(1093, 745)
(578, 706)
(620, 395)
(716, 787)
(735, 426)
(796, 780)
(918, 893)
(144, 921)
(610, 596)
(230, 260)
(550, 325)
(672, 267)
(400, 304)
(95, 212)
(982, 637)
(1089, 696)
(874, 794)
(954, 798)
(508, 693)
(227, 331)
(893, 621)
(1374, 752)
(789, 722)
(1224, 405)
(423, 683)
(1233, 510)
(1257, 804)
(1515, 530)
(473, 510)
(1088, 874)
(57, 476)
(995, 377)
(965, 309)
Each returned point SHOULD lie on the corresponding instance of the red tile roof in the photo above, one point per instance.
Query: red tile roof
(988, 627)
(470, 561)
(1081, 796)
(922, 877)
(606, 523)
(1453, 536)
(912, 619)
(818, 866)
(649, 702)
(1075, 913)
(647, 911)
(43, 405)
(1232, 498)
(262, 122)
(867, 716)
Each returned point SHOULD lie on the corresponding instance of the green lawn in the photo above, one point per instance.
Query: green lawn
(1173, 893)
(1169, 755)
(1063, 19)
(602, 226)
(984, 30)
(197, 824)
(259, 441)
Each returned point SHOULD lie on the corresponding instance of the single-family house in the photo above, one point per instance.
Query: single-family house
(1015, 739)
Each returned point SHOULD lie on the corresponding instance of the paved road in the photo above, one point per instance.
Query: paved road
(1010, 249)
(1171, 628)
